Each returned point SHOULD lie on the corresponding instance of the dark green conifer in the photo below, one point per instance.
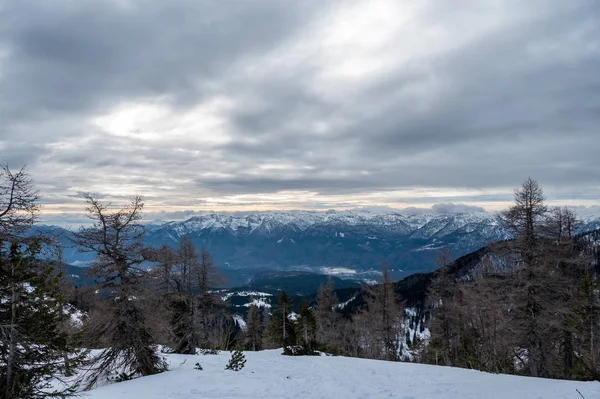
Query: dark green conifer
(35, 349)
(281, 328)
(236, 362)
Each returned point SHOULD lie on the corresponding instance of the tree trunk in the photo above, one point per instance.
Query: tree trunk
(13, 331)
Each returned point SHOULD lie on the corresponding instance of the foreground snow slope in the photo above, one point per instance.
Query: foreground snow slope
(268, 374)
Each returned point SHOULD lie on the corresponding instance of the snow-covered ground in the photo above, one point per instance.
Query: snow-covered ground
(268, 374)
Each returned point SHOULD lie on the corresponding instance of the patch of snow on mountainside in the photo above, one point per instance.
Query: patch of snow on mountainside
(239, 320)
(260, 302)
(268, 374)
(344, 304)
(413, 331)
(244, 293)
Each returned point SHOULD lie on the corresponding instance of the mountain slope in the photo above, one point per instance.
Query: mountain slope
(346, 242)
(268, 374)
(305, 240)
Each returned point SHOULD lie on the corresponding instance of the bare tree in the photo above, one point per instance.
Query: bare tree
(441, 303)
(525, 220)
(19, 202)
(383, 319)
(211, 312)
(545, 279)
(115, 236)
(254, 329)
(327, 318)
(562, 224)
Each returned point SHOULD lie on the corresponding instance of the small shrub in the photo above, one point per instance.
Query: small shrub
(122, 376)
(237, 361)
(299, 350)
(209, 352)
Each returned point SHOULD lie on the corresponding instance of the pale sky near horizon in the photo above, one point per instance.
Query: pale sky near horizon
(254, 105)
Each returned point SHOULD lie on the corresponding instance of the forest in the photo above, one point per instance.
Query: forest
(528, 305)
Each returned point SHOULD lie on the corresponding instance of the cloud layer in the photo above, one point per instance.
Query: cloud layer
(312, 104)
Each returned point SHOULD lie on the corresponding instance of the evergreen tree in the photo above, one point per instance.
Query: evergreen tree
(35, 346)
(281, 328)
(236, 362)
(307, 326)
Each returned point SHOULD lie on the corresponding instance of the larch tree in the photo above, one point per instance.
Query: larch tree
(383, 318)
(19, 203)
(525, 221)
(115, 237)
(544, 282)
(213, 323)
(184, 304)
(441, 302)
(254, 329)
(328, 320)
(307, 326)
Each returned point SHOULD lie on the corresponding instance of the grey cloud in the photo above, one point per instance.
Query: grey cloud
(519, 99)
(89, 54)
(455, 208)
(443, 209)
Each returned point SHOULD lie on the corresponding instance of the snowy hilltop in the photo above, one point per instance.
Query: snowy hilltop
(268, 374)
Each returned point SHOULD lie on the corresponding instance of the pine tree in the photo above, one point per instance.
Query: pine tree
(236, 362)
(35, 346)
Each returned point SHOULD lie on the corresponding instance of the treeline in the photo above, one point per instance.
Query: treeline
(374, 331)
(532, 306)
(144, 300)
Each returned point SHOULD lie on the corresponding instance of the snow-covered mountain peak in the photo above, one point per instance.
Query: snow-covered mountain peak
(267, 222)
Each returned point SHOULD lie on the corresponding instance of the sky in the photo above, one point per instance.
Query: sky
(254, 105)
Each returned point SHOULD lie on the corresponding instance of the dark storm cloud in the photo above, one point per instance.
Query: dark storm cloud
(335, 99)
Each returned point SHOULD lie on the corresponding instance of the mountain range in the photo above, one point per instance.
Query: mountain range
(349, 244)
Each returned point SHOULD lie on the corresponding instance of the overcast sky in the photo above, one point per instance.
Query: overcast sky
(236, 105)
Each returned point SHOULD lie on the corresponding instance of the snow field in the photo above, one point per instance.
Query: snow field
(268, 374)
